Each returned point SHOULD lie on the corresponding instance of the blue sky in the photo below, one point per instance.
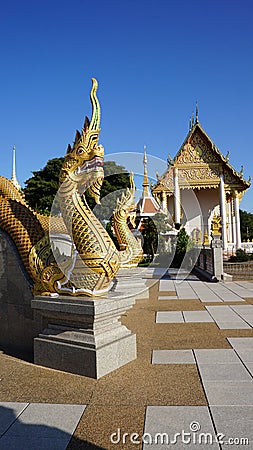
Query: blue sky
(153, 60)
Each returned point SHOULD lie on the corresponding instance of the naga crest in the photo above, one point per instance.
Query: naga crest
(84, 161)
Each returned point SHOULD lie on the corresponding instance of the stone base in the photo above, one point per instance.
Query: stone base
(72, 355)
(84, 335)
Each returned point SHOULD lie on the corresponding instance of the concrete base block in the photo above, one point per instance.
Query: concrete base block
(73, 356)
(84, 335)
(226, 277)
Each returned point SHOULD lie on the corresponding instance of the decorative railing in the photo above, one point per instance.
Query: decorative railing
(247, 247)
(205, 261)
(239, 269)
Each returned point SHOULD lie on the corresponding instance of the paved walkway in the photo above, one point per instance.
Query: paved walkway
(37, 426)
(226, 374)
(190, 387)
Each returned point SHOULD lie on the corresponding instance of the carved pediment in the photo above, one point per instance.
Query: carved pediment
(168, 181)
(199, 177)
(196, 152)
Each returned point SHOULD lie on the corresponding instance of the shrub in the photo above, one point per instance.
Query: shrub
(241, 256)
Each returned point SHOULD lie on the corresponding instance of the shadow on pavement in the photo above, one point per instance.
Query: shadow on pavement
(18, 435)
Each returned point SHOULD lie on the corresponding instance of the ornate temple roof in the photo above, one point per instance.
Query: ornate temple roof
(199, 163)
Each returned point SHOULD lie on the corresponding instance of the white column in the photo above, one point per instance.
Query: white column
(230, 238)
(164, 202)
(177, 206)
(223, 212)
(238, 242)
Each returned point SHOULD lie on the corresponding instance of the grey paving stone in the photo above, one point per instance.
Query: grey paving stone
(241, 343)
(239, 290)
(204, 299)
(235, 325)
(42, 426)
(246, 354)
(173, 357)
(167, 297)
(216, 356)
(9, 411)
(234, 422)
(224, 372)
(244, 311)
(225, 294)
(166, 285)
(58, 416)
(209, 298)
(174, 421)
(204, 293)
(29, 443)
(246, 284)
(184, 290)
(197, 316)
(220, 393)
(249, 367)
(169, 317)
(226, 318)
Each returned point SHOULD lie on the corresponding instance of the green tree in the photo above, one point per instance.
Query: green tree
(41, 188)
(149, 233)
(184, 243)
(246, 220)
(152, 227)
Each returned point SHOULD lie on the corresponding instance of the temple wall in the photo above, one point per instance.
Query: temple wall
(18, 322)
(192, 216)
(198, 206)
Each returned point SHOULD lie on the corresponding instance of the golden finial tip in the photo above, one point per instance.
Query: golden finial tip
(94, 81)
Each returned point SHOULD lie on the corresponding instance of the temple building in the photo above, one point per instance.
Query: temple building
(199, 184)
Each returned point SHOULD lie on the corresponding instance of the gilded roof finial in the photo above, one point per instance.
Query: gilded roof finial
(169, 160)
(241, 171)
(192, 120)
(145, 183)
(197, 113)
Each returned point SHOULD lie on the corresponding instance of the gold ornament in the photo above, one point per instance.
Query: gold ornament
(94, 259)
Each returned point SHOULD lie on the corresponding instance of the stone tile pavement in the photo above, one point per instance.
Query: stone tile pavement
(37, 426)
(226, 374)
(227, 379)
(207, 292)
(225, 317)
(166, 387)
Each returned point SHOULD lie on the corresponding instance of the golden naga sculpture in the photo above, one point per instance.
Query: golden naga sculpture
(94, 259)
(126, 210)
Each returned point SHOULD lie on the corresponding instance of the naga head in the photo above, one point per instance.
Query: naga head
(84, 161)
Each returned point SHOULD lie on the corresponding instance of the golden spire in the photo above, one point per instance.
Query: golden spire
(145, 184)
